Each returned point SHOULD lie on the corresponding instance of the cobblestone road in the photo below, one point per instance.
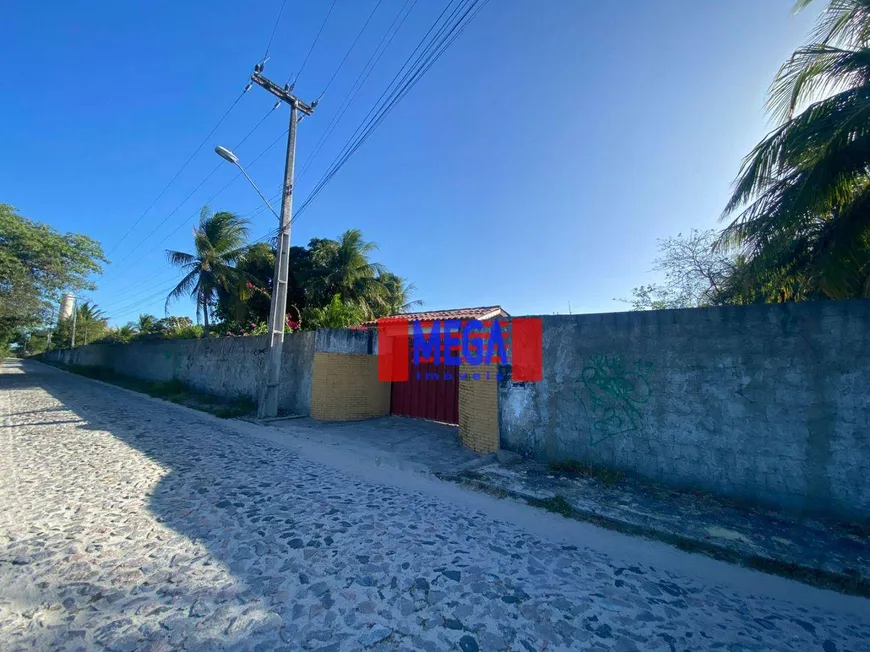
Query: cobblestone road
(126, 524)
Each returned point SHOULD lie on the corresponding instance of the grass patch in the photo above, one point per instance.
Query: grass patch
(575, 467)
(171, 390)
(495, 492)
(556, 504)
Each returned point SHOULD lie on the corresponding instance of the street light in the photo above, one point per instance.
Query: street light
(227, 155)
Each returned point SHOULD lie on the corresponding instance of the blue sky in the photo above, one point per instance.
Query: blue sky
(534, 165)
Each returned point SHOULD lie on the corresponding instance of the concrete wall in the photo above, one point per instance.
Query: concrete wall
(346, 340)
(227, 366)
(764, 403)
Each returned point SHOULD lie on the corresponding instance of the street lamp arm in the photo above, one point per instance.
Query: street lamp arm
(262, 196)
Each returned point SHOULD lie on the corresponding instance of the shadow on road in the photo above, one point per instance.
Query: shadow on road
(266, 542)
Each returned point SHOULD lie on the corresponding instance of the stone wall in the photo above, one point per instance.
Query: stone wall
(768, 403)
(227, 366)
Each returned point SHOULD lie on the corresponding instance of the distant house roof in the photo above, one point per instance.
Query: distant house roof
(481, 313)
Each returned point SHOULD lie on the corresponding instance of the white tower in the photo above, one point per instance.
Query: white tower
(67, 301)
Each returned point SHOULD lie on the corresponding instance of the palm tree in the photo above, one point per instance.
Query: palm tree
(146, 324)
(126, 332)
(90, 318)
(398, 293)
(219, 241)
(342, 267)
(801, 203)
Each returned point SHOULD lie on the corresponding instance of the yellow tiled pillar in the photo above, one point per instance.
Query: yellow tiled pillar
(345, 387)
(478, 407)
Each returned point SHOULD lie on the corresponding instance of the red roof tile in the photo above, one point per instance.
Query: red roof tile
(482, 312)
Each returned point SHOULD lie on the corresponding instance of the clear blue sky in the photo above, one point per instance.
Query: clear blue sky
(535, 164)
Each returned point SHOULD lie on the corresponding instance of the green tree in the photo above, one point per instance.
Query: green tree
(30, 341)
(90, 325)
(219, 243)
(335, 314)
(123, 334)
(91, 322)
(177, 328)
(342, 267)
(800, 209)
(37, 264)
(171, 324)
(397, 295)
(241, 306)
(146, 324)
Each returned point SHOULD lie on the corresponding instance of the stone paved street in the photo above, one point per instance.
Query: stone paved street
(130, 524)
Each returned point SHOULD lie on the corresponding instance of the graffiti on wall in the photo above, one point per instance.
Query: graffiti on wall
(610, 392)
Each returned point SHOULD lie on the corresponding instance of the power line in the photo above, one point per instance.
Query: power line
(449, 31)
(132, 311)
(171, 213)
(350, 95)
(200, 185)
(183, 167)
(433, 50)
(128, 308)
(204, 141)
(255, 127)
(352, 46)
(277, 20)
(124, 298)
(184, 201)
(314, 42)
(358, 84)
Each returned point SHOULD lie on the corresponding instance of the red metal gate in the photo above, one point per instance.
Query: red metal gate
(431, 392)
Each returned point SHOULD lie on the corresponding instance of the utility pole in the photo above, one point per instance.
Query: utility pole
(75, 310)
(268, 405)
(50, 330)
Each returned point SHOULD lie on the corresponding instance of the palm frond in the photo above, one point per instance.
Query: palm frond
(225, 231)
(180, 259)
(844, 22)
(187, 286)
(825, 130)
(814, 72)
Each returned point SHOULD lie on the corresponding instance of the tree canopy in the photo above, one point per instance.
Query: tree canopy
(330, 282)
(800, 210)
(38, 264)
(220, 241)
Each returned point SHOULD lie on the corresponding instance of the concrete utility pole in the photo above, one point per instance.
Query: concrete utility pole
(268, 406)
(74, 312)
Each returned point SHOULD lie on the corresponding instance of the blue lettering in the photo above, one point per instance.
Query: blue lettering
(496, 338)
(427, 347)
(451, 341)
(477, 357)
